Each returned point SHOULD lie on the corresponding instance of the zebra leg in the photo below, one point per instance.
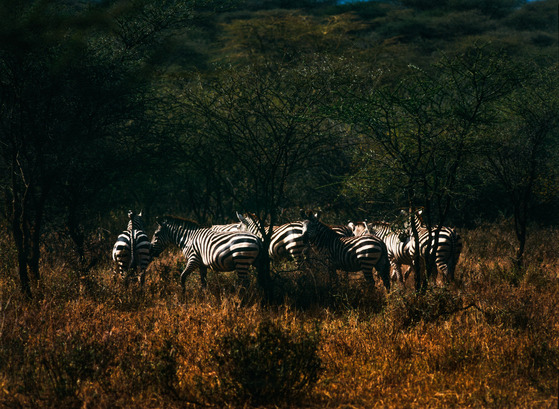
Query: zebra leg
(368, 274)
(397, 272)
(203, 276)
(142, 277)
(190, 267)
(383, 268)
(242, 274)
(407, 273)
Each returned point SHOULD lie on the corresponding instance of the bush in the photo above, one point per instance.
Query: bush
(268, 365)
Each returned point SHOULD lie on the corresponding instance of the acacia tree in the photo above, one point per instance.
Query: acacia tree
(266, 129)
(522, 152)
(73, 84)
(420, 130)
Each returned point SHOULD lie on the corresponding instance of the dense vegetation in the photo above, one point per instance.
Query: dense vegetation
(201, 108)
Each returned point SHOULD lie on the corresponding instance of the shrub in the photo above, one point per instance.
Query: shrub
(267, 365)
(408, 308)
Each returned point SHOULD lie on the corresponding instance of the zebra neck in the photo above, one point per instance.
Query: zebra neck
(179, 235)
(325, 237)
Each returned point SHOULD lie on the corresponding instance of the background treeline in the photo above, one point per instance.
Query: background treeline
(201, 108)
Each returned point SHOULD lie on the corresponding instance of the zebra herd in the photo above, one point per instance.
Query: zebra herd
(355, 247)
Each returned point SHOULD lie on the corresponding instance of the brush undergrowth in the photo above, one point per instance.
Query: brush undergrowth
(489, 340)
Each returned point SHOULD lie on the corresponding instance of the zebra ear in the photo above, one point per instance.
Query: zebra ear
(241, 218)
(351, 225)
(140, 214)
(303, 214)
(130, 214)
(316, 215)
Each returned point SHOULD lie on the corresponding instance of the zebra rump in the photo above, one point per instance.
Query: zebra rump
(132, 249)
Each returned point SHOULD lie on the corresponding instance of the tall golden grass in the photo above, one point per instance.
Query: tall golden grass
(491, 340)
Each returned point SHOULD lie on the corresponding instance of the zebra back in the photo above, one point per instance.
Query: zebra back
(286, 240)
(343, 230)
(231, 227)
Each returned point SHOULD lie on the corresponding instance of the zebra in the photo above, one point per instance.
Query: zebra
(351, 254)
(286, 241)
(132, 249)
(204, 247)
(448, 246)
(399, 245)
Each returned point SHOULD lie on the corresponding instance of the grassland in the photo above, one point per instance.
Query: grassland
(489, 341)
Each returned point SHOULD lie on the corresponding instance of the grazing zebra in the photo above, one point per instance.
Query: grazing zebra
(204, 247)
(399, 246)
(349, 253)
(286, 241)
(448, 246)
(132, 249)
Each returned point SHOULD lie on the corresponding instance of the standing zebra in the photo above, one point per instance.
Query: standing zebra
(286, 241)
(441, 244)
(399, 246)
(350, 254)
(132, 249)
(203, 247)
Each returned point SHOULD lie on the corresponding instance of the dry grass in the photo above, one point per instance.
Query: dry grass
(490, 341)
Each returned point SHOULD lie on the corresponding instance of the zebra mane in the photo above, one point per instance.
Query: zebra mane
(180, 221)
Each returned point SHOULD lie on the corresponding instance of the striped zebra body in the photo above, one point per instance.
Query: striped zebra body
(350, 254)
(132, 249)
(286, 241)
(232, 227)
(344, 230)
(203, 247)
(444, 244)
(400, 249)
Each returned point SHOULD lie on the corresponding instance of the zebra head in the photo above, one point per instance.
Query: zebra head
(311, 225)
(135, 221)
(251, 223)
(161, 237)
(359, 228)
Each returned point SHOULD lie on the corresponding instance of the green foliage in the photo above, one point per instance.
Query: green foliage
(266, 365)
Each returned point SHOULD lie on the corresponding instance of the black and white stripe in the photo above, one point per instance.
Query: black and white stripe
(286, 240)
(204, 247)
(442, 243)
(232, 227)
(132, 249)
(399, 245)
(350, 254)
(344, 230)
